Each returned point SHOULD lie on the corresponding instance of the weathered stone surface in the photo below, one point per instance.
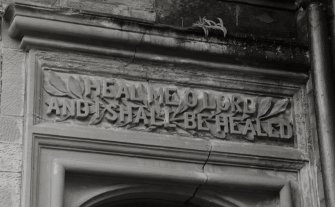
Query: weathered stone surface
(239, 19)
(157, 157)
(33, 2)
(11, 129)
(10, 188)
(8, 42)
(10, 157)
(13, 83)
(165, 108)
(135, 9)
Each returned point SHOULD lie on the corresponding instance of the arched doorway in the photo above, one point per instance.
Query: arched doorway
(155, 196)
(146, 203)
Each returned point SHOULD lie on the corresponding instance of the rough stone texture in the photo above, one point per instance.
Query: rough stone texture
(11, 126)
(10, 189)
(242, 21)
(8, 42)
(10, 158)
(11, 129)
(13, 83)
(239, 19)
(11, 106)
(34, 2)
(135, 9)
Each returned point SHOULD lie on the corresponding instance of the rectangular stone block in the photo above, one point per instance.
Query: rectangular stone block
(11, 129)
(165, 109)
(143, 9)
(13, 83)
(10, 157)
(10, 189)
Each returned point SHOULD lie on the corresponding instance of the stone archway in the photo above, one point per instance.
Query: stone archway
(147, 203)
(157, 203)
(144, 196)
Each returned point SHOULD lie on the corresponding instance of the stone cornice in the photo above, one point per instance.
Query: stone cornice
(38, 27)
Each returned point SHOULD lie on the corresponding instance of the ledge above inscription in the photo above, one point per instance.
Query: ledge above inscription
(37, 27)
(117, 103)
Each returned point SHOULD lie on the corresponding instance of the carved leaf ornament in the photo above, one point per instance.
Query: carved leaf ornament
(206, 25)
(279, 107)
(164, 109)
(264, 106)
(57, 82)
(75, 88)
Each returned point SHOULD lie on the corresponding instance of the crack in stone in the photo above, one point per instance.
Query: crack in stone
(203, 170)
(135, 51)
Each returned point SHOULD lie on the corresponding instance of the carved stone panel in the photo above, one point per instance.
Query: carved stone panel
(108, 102)
(207, 135)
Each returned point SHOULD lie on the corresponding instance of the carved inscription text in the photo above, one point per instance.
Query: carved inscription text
(167, 109)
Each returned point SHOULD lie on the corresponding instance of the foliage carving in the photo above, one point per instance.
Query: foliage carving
(170, 110)
(206, 24)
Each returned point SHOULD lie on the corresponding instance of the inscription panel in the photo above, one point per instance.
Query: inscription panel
(108, 102)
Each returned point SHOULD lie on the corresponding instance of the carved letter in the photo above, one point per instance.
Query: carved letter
(108, 89)
(167, 118)
(122, 92)
(135, 95)
(249, 127)
(201, 126)
(259, 129)
(249, 106)
(271, 130)
(153, 95)
(222, 121)
(111, 115)
(153, 113)
(69, 106)
(82, 109)
(285, 129)
(141, 116)
(223, 103)
(236, 101)
(233, 125)
(191, 98)
(208, 103)
(53, 106)
(171, 97)
(97, 107)
(89, 85)
(128, 112)
(189, 120)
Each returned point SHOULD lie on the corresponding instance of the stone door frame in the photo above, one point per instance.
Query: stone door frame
(207, 159)
(45, 138)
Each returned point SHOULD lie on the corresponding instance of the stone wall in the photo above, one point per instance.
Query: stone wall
(13, 79)
(13, 83)
(11, 120)
(12, 92)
